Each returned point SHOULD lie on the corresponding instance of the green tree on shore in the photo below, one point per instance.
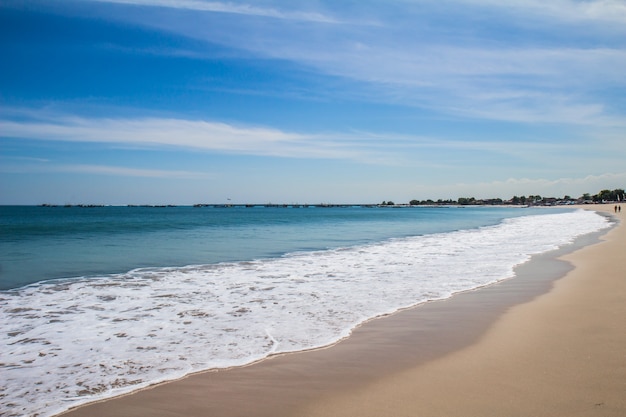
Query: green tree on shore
(602, 196)
(608, 195)
(465, 201)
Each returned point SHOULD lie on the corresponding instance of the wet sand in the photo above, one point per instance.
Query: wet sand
(549, 342)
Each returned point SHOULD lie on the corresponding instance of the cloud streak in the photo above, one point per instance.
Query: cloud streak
(534, 85)
(230, 8)
(414, 62)
(130, 172)
(47, 166)
(198, 135)
(363, 147)
(573, 186)
(564, 10)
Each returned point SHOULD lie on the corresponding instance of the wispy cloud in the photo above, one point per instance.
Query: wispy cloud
(569, 10)
(130, 172)
(409, 61)
(565, 183)
(21, 159)
(232, 8)
(521, 84)
(109, 170)
(197, 134)
(572, 186)
(366, 147)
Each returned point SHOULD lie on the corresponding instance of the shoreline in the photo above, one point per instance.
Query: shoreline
(296, 383)
(560, 354)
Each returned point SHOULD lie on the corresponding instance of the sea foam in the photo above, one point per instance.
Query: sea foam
(69, 342)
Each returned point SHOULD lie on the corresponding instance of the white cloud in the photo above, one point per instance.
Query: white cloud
(572, 186)
(230, 7)
(376, 148)
(24, 165)
(568, 10)
(202, 135)
(559, 187)
(383, 148)
(514, 83)
(150, 131)
(128, 172)
(532, 76)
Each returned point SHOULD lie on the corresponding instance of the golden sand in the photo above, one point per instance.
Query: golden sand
(562, 354)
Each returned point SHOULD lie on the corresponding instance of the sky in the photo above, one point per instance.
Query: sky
(317, 101)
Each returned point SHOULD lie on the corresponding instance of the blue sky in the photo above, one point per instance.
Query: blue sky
(193, 101)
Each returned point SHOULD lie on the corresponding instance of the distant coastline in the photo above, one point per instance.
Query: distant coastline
(603, 197)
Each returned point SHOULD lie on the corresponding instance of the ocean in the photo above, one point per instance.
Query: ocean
(100, 301)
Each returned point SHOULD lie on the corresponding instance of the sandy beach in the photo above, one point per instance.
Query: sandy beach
(550, 342)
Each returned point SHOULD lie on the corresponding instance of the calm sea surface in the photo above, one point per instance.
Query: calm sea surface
(40, 243)
(100, 301)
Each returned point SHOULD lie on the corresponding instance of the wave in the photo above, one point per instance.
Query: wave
(74, 341)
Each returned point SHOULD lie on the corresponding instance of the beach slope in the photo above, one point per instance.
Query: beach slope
(529, 346)
(562, 354)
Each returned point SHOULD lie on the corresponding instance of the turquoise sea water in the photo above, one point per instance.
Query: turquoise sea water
(97, 302)
(41, 243)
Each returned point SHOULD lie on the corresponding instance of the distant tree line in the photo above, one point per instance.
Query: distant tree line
(531, 200)
(607, 195)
